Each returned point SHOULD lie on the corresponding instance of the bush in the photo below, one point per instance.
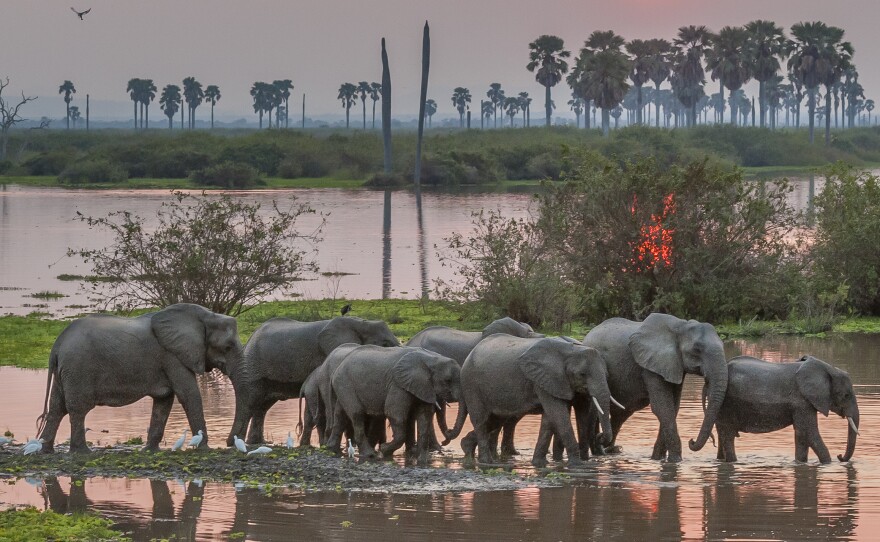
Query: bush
(48, 163)
(93, 171)
(5, 165)
(218, 252)
(264, 156)
(177, 164)
(227, 175)
(290, 169)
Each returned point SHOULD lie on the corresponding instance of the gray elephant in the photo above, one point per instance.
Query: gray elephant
(508, 377)
(279, 357)
(647, 362)
(115, 361)
(392, 382)
(457, 344)
(763, 397)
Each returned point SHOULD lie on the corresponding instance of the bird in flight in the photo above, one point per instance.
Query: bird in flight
(80, 13)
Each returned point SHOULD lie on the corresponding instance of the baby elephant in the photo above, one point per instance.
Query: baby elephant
(763, 397)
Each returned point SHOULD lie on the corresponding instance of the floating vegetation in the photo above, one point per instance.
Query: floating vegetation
(30, 524)
(46, 295)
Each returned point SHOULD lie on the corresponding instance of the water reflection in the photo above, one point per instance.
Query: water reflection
(386, 245)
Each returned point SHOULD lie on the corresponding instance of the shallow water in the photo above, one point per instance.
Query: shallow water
(765, 496)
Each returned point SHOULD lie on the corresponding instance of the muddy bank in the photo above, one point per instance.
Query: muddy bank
(308, 469)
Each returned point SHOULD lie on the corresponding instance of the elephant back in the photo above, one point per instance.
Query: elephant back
(284, 350)
(447, 341)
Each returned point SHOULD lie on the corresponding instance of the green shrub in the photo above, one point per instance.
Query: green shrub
(48, 163)
(227, 175)
(290, 169)
(5, 165)
(178, 164)
(264, 156)
(93, 171)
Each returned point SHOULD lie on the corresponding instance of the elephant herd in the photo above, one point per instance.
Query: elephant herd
(355, 376)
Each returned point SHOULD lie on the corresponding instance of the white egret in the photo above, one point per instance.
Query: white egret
(196, 439)
(33, 446)
(289, 441)
(239, 444)
(5, 440)
(261, 450)
(180, 442)
(350, 449)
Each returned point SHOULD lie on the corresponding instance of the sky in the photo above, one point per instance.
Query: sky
(320, 44)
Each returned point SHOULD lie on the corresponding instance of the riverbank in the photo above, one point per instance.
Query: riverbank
(25, 341)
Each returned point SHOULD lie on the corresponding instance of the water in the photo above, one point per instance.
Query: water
(765, 496)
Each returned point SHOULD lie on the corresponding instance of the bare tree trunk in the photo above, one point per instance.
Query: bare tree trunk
(423, 97)
(386, 109)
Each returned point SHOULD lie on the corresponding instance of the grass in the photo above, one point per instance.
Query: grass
(169, 184)
(31, 524)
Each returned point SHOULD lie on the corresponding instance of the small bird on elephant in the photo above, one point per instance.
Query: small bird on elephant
(345, 309)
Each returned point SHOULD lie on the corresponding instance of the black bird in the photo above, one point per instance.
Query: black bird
(80, 13)
(346, 309)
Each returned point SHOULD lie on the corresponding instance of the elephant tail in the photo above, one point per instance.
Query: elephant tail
(459, 423)
(53, 368)
(299, 426)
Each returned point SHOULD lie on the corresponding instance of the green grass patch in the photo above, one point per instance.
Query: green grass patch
(47, 295)
(31, 524)
(26, 341)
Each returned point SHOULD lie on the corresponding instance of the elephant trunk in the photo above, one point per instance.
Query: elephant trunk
(851, 436)
(716, 386)
(459, 424)
(441, 418)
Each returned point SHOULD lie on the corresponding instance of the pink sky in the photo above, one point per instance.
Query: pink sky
(320, 44)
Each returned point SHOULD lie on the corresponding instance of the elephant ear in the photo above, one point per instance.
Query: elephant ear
(655, 348)
(544, 364)
(412, 374)
(814, 383)
(180, 330)
(339, 330)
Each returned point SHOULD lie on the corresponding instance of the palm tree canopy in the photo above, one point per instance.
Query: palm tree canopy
(67, 89)
(818, 54)
(658, 63)
(460, 98)
(546, 60)
(169, 100)
(495, 94)
(212, 94)
(133, 88)
(430, 107)
(640, 50)
(347, 94)
(284, 87)
(363, 90)
(147, 91)
(727, 58)
(765, 47)
(606, 74)
(511, 105)
(375, 91)
(192, 92)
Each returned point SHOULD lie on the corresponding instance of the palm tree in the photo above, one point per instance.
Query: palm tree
(68, 90)
(546, 61)
(765, 47)
(73, 114)
(642, 58)
(525, 104)
(511, 106)
(659, 68)
(376, 93)
(284, 87)
(193, 94)
(169, 102)
(133, 88)
(363, 90)
(212, 96)
(869, 106)
(606, 69)
(261, 92)
(577, 105)
(430, 109)
(460, 98)
(348, 95)
(774, 94)
(486, 112)
(688, 67)
(728, 63)
(577, 80)
(147, 95)
(496, 98)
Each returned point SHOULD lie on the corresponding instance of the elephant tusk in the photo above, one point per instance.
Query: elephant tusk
(618, 405)
(437, 405)
(596, 402)
(853, 425)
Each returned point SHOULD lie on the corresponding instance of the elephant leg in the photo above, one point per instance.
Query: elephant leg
(542, 445)
(339, 420)
(376, 430)
(308, 426)
(398, 436)
(469, 445)
(726, 446)
(559, 448)
(484, 442)
(425, 424)
(186, 390)
(560, 420)
(57, 411)
(240, 421)
(255, 435)
(359, 435)
(664, 405)
(507, 439)
(809, 428)
(618, 417)
(158, 419)
(78, 432)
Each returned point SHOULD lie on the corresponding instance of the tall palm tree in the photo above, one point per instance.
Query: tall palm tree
(525, 104)
(430, 109)
(496, 98)
(74, 115)
(169, 102)
(212, 96)
(260, 91)
(486, 112)
(284, 87)
(577, 80)
(348, 95)
(606, 68)
(688, 67)
(363, 90)
(869, 106)
(577, 106)
(774, 95)
(642, 57)
(147, 95)
(765, 47)
(134, 88)
(511, 107)
(193, 94)
(728, 62)
(546, 61)
(460, 98)
(68, 90)
(659, 68)
(376, 93)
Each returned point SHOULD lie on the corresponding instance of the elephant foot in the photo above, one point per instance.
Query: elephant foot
(539, 462)
(150, 448)
(509, 450)
(82, 449)
(612, 450)
(255, 440)
(48, 448)
(576, 462)
(672, 458)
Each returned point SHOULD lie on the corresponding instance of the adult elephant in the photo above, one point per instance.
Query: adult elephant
(279, 357)
(647, 362)
(508, 377)
(457, 344)
(115, 361)
(396, 383)
(763, 397)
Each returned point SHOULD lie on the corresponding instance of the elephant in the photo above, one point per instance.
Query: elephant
(508, 377)
(763, 397)
(457, 344)
(279, 357)
(115, 361)
(647, 362)
(396, 383)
